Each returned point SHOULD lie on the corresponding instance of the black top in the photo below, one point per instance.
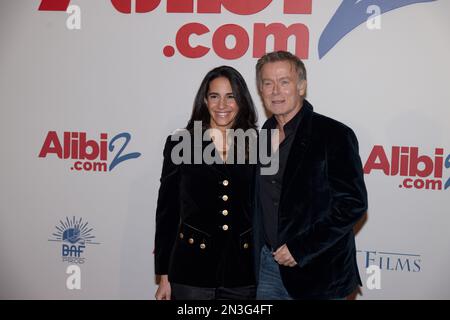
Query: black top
(270, 185)
(203, 222)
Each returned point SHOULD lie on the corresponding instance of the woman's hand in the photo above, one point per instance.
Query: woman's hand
(164, 291)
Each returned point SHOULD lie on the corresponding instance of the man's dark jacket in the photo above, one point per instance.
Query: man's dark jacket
(323, 196)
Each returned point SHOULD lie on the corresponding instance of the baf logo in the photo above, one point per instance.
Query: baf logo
(349, 15)
(74, 235)
(417, 171)
(75, 146)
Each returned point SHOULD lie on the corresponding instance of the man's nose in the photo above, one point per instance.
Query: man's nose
(276, 89)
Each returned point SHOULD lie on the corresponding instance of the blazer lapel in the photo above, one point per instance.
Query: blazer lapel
(298, 149)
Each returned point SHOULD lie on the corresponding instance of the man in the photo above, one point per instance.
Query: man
(305, 213)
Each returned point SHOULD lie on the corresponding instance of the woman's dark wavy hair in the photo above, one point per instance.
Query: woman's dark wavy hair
(246, 117)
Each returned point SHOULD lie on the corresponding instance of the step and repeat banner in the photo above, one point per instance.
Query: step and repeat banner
(90, 89)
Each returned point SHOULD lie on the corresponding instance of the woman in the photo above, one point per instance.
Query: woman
(203, 217)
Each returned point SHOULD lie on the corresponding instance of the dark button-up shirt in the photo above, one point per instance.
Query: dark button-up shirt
(270, 185)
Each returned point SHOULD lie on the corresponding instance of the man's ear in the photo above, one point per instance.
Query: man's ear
(302, 87)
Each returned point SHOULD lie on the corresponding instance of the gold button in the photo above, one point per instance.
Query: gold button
(246, 245)
(225, 212)
(202, 246)
(225, 227)
(191, 241)
(225, 182)
(181, 235)
(225, 197)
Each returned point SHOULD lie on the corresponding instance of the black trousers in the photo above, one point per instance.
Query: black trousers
(185, 292)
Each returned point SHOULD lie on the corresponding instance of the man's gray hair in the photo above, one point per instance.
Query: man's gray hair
(280, 56)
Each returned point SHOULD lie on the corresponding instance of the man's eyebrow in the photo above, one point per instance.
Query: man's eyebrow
(282, 78)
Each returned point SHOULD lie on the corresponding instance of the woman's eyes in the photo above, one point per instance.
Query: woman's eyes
(217, 97)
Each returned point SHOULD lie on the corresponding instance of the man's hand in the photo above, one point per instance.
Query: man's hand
(164, 291)
(283, 256)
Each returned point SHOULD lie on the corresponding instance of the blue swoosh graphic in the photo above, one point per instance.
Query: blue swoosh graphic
(447, 165)
(352, 13)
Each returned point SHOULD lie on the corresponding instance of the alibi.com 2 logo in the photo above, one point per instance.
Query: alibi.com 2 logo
(88, 155)
(349, 15)
(417, 171)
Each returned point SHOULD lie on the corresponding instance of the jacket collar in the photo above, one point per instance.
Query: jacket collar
(299, 146)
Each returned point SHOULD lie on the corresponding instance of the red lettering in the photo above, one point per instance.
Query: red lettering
(438, 162)
(414, 161)
(220, 36)
(379, 155)
(419, 184)
(281, 34)
(407, 183)
(404, 157)
(395, 161)
(87, 166)
(67, 139)
(209, 6)
(240, 7)
(103, 146)
(297, 6)
(142, 6)
(74, 145)
(182, 40)
(54, 5)
(246, 7)
(51, 145)
(78, 165)
(95, 149)
(180, 6)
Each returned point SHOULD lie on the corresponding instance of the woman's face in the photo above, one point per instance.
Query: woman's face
(221, 104)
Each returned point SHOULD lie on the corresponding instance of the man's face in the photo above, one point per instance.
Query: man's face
(281, 90)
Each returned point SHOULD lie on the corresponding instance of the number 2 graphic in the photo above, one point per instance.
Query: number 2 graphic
(119, 158)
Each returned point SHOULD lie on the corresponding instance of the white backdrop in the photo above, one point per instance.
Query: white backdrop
(391, 85)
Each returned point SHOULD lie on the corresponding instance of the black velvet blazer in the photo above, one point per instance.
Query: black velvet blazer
(203, 223)
(323, 196)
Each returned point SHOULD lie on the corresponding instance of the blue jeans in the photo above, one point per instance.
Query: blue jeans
(270, 285)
